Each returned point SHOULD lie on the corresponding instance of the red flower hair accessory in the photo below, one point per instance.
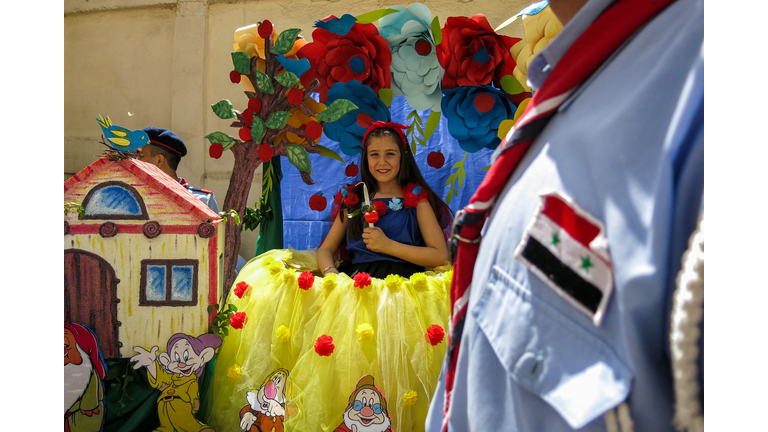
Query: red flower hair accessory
(399, 128)
(413, 193)
(324, 345)
(351, 199)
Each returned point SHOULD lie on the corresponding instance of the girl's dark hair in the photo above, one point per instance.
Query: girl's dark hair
(409, 173)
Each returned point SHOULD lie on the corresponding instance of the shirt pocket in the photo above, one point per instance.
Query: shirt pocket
(548, 353)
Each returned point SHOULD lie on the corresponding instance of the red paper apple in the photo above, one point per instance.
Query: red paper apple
(318, 202)
(436, 159)
(351, 170)
(266, 152)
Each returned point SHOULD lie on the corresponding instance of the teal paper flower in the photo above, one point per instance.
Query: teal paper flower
(474, 114)
(395, 204)
(416, 71)
(348, 131)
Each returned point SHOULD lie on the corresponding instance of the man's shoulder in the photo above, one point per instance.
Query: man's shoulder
(199, 190)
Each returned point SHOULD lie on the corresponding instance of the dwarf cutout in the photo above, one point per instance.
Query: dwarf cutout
(269, 407)
(84, 370)
(182, 364)
(366, 409)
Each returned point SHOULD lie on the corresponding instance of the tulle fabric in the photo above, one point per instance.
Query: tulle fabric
(378, 330)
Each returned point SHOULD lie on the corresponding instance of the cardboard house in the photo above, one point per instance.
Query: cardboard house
(145, 260)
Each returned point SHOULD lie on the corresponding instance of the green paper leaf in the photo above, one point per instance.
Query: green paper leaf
(224, 109)
(225, 330)
(385, 94)
(287, 79)
(376, 15)
(511, 85)
(336, 110)
(278, 120)
(242, 62)
(285, 41)
(258, 129)
(353, 214)
(232, 307)
(299, 157)
(486, 168)
(413, 113)
(264, 82)
(437, 33)
(326, 152)
(432, 122)
(220, 138)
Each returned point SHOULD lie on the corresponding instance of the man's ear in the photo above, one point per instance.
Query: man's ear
(207, 354)
(164, 359)
(161, 160)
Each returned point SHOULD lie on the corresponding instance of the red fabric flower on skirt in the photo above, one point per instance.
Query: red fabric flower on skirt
(306, 280)
(237, 320)
(362, 280)
(435, 334)
(361, 54)
(413, 193)
(473, 54)
(240, 288)
(324, 345)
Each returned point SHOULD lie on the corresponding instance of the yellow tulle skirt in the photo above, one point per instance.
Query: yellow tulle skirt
(379, 330)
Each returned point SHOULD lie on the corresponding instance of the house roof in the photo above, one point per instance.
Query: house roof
(155, 178)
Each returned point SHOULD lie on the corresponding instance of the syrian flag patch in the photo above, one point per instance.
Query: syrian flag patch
(567, 249)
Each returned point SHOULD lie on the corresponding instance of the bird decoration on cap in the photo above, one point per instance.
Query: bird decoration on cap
(120, 138)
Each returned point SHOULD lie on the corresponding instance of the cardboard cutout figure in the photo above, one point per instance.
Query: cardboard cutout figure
(182, 364)
(366, 410)
(266, 410)
(84, 371)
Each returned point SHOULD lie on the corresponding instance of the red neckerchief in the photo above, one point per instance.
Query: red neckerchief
(598, 42)
(183, 182)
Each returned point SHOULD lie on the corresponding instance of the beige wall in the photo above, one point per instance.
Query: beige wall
(167, 61)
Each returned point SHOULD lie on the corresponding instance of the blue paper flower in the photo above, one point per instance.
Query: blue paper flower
(396, 204)
(348, 131)
(416, 72)
(473, 114)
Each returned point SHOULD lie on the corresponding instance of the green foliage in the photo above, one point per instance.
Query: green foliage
(76, 207)
(385, 94)
(242, 62)
(437, 33)
(264, 82)
(258, 129)
(266, 181)
(287, 79)
(285, 41)
(220, 323)
(223, 215)
(224, 109)
(455, 179)
(299, 157)
(253, 216)
(221, 138)
(418, 125)
(376, 15)
(511, 85)
(326, 152)
(278, 120)
(336, 110)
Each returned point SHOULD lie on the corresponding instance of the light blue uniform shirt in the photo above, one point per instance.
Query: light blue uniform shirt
(627, 148)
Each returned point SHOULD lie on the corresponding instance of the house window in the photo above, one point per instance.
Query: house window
(168, 282)
(114, 200)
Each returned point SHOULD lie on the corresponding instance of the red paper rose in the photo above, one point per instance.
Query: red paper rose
(324, 345)
(361, 54)
(473, 54)
(362, 280)
(413, 193)
(381, 209)
(306, 280)
(351, 199)
(435, 334)
(237, 320)
(240, 288)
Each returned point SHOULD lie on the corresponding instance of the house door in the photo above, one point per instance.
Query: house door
(90, 297)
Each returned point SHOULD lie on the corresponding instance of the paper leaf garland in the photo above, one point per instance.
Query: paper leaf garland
(285, 41)
(264, 82)
(326, 152)
(220, 138)
(432, 122)
(289, 79)
(224, 109)
(372, 16)
(336, 110)
(242, 62)
(258, 129)
(278, 120)
(299, 157)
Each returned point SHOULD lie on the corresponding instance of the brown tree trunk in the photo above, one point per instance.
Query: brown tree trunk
(246, 162)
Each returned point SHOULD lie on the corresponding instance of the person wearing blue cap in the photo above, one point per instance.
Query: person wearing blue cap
(165, 150)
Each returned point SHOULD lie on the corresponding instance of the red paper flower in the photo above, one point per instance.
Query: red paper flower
(266, 152)
(362, 280)
(324, 345)
(413, 193)
(351, 170)
(435, 334)
(237, 320)
(361, 54)
(254, 105)
(381, 209)
(318, 202)
(234, 76)
(306, 280)
(351, 199)
(473, 54)
(314, 130)
(216, 150)
(436, 159)
(240, 288)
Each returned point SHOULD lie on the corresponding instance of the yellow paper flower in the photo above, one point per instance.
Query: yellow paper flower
(329, 281)
(283, 333)
(410, 397)
(419, 281)
(289, 276)
(364, 332)
(539, 30)
(393, 282)
(234, 373)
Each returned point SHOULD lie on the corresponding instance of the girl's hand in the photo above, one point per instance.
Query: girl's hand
(376, 240)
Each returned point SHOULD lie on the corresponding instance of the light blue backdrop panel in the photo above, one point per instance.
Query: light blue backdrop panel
(304, 228)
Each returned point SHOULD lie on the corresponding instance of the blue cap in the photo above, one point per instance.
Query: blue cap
(167, 140)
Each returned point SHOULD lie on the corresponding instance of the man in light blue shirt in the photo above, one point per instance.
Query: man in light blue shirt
(567, 326)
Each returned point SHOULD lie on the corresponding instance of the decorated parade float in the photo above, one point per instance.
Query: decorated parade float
(281, 344)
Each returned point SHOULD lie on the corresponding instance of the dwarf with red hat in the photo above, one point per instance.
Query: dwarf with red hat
(84, 370)
(366, 409)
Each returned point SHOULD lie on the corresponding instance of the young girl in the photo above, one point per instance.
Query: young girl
(407, 236)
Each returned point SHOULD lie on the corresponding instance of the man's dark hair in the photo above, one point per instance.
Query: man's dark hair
(172, 158)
